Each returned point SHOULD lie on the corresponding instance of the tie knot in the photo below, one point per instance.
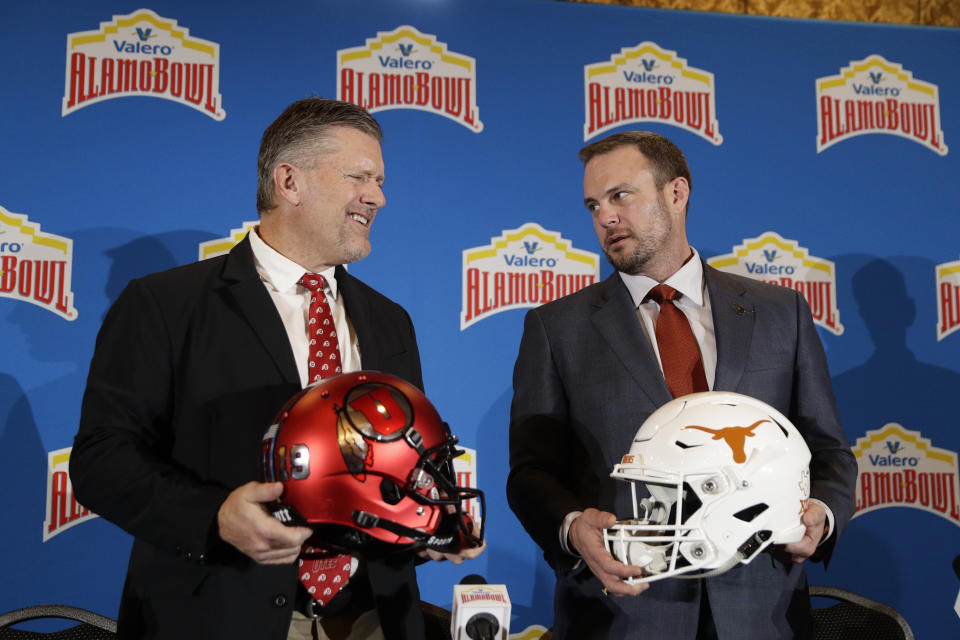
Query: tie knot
(662, 292)
(312, 281)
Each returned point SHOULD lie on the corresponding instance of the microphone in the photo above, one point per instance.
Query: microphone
(481, 611)
(482, 626)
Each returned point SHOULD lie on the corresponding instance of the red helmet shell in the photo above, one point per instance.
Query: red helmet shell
(361, 442)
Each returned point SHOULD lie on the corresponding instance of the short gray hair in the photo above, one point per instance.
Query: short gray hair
(300, 133)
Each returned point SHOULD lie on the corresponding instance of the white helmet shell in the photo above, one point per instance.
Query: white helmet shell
(726, 476)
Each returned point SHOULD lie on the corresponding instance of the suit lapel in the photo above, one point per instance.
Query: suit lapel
(616, 319)
(361, 317)
(244, 286)
(734, 314)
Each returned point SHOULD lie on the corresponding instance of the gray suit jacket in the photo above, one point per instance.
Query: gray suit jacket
(585, 380)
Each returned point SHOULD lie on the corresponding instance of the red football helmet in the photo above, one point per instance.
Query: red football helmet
(367, 462)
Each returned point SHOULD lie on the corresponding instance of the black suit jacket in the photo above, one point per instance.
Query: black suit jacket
(586, 378)
(190, 367)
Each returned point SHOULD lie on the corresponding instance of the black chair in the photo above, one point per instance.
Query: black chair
(436, 621)
(92, 626)
(854, 617)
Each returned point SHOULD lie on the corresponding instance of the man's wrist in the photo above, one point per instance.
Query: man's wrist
(829, 526)
(565, 532)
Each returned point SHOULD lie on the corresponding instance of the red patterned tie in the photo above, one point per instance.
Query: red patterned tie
(679, 353)
(321, 332)
(322, 574)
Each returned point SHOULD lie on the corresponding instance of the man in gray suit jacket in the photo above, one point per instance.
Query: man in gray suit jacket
(589, 373)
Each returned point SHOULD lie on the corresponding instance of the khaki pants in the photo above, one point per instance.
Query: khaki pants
(365, 627)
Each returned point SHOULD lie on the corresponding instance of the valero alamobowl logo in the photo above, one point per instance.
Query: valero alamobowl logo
(901, 468)
(465, 468)
(35, 267)
(648, 84)
(876, 96)
(407, 69)
(948, 298)
(524, 267)
(222, 246)
(63, 510)
(142, 54)
(771, 258)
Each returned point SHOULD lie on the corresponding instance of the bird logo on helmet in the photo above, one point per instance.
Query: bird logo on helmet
(715, 478)
(367, 462)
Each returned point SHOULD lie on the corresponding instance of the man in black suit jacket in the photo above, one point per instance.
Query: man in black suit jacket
(588, 374)
(190, 367)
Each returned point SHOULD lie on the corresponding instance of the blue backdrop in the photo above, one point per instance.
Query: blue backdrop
(129, 184)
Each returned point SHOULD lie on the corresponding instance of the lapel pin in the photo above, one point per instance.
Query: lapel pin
(741, 310)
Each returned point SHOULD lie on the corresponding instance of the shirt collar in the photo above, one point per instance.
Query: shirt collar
(688, 280)
(280, 272)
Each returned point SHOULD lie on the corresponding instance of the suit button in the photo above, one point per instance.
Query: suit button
(280, 601)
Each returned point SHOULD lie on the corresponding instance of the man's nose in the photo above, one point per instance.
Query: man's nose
(373, 196)
(607, 216)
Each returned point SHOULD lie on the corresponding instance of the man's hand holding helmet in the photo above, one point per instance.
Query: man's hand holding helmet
(815, 521)
(246, 524)
(586, 536)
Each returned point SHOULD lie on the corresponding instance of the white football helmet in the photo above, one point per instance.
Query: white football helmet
(727, 475)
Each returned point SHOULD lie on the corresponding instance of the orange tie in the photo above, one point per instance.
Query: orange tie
(679, 353)
(323, 574)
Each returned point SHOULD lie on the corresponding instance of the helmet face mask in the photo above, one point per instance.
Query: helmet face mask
(715, 477)
(367, 462)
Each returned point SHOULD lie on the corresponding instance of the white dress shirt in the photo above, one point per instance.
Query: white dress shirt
(280, 275)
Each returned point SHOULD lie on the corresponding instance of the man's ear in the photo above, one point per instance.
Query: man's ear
(676, 194)
(286, 183)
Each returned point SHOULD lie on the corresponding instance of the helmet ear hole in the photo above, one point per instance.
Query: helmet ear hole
(690, 504)
(750, 513)
(390, 492)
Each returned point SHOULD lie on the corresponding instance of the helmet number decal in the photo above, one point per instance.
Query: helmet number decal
(299, 461)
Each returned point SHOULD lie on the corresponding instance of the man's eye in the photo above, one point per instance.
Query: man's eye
(619, 195)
